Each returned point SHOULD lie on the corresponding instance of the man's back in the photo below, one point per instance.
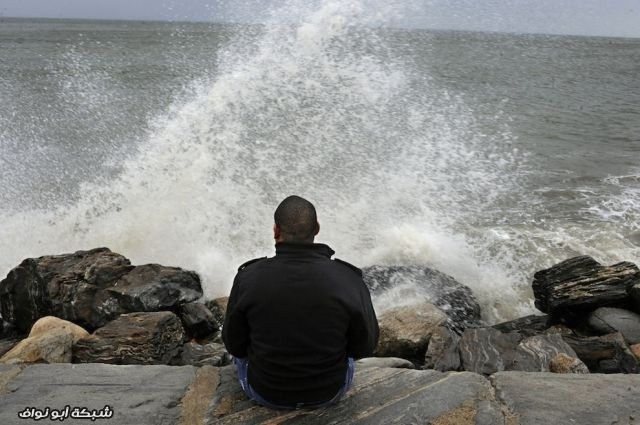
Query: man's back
(297, 317)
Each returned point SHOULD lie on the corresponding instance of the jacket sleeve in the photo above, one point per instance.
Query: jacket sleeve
(235, 331)
(363, 332)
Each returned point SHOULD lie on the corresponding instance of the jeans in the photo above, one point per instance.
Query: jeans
(242, 365)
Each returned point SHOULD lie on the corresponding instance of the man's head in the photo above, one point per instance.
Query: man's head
(295, 221)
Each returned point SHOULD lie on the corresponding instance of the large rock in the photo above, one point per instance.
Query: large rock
(608, 320)
(218, 307)
(525, 326)
(90, 288)
(51, 347)
(446, 293)
(49, 323)
(195, 354)
(197, 319)
(405, 331)
(393, 362)
(563, 363)
(604, 354)
(136, 338)
(582, 283)
(442, 351)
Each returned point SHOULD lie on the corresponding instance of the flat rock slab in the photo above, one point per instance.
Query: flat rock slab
(547, 398)
(137, 395)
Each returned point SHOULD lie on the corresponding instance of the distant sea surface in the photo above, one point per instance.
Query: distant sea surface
(487, 156)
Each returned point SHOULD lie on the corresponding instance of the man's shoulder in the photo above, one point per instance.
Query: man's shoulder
(349, 266)
(250, 262)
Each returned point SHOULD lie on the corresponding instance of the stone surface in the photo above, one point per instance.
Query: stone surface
(405, 331)
(49, 323)
(581, 283)
(392, 362)
(563, 363)
(51, 347)
(218, 307)
(608, 320)
(425, 284)
(195, 354)
(197, 320)
(90, 288)
(136, 338)
(604, 354)
(634, 293)
(549, 398)
(138, 395)
(195, 403)
(525, 326)
(635, 349)
(442, 351)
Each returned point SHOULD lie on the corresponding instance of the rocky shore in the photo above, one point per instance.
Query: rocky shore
(90, 330)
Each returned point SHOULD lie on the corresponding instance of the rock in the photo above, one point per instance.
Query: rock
(487, 350)
(634, 293)
(91, 288)
(49, 323)
(195, 354)
(583, 283)
(218, 307)
(563, 363)
(6, 345)
(549, 398)
(635, 349)
(393, 362)
(197, 319)
(604, 354)
(606, 320)
(51, 347)
(525, 326)
(405, 331)
(442, 351)
(446, 293)
(135, 338)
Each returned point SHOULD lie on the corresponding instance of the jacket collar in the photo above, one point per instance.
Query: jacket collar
(288, 248)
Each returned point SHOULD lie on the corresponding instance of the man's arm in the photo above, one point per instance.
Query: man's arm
(363, 328)
(235, 331)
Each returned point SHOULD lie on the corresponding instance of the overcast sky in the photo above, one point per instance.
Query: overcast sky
(584, 17)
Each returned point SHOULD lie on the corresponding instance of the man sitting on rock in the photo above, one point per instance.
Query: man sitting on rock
(295, 322)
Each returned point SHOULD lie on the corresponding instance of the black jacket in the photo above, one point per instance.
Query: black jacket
(297, 317)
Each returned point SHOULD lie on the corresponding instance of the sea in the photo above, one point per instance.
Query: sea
(486, 156)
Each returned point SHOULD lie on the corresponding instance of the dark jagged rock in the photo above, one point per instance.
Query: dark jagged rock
(606, 320)
(218, 307)
(449, 295)
(90, 288)
(583, 283)
(197, 319)
(136, 338)
(525, 326)
(442, 352)
(604, 354)
(195, 354)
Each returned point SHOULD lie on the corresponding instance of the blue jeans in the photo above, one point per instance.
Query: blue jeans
(242, 365)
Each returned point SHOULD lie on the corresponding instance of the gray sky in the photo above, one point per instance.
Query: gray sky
(585, 17)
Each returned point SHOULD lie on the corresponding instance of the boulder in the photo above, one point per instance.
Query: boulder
(606, 320)
(393, 362)
(195, 354)
(197, 319)
(91, 288)
(218, 307)
(53, 346)
(405, 331)
(49, 323)
(432, 286)
(604, 354)
(563, 363)
(442, 351)
(634, 293)
(635, 349)
(582, 283)
(525, 326)
(135, 338)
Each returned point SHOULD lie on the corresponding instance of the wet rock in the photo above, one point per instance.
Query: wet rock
(563, 363)
(49, 323)
(218, 307)
(405, 331)
(446, 293)
(393, 362)
(608, 320)
(195, 354)
(583, 283)
(525, 326)
(604, 354)
(135, 338)
(90, 288)
(442, 351)
(51, 347)
(197, 319)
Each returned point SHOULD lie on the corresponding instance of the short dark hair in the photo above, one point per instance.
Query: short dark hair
(297, 220)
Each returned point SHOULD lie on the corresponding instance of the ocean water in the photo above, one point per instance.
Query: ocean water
(486, 156)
